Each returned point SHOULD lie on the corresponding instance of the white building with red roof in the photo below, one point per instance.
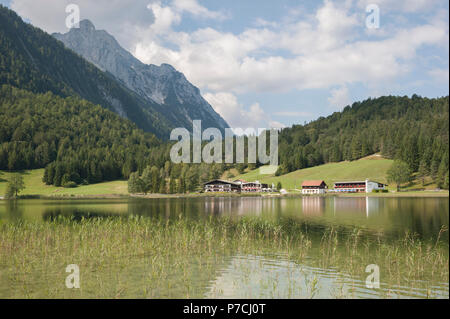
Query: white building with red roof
(314, 187)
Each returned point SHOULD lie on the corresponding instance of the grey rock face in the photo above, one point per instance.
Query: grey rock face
(180, 101)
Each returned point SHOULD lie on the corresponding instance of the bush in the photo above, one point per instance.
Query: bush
(69, 184)
(375, 190)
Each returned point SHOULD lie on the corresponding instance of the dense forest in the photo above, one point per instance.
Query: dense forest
(414, 130)
(81, 143)
(32, 59)
(81, 139)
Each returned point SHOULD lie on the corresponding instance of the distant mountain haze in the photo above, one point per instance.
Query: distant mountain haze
(174, 96)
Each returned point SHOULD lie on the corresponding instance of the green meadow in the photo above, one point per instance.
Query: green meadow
(372, 167)
(35, 186)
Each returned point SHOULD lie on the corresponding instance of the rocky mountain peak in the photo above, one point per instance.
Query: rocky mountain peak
(86, 26)
(179, 100)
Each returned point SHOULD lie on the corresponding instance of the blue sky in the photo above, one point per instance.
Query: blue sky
(267, 63)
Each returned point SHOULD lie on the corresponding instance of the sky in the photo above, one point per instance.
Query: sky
(267, 63)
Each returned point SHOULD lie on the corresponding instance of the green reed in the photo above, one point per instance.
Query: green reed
(142, 257)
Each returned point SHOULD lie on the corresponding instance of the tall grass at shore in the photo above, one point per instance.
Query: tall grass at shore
(138, 257)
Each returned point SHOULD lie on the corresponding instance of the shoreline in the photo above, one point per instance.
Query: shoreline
(213, 195)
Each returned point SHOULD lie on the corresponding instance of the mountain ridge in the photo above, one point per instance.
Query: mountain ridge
(161, 85)
(33, 60)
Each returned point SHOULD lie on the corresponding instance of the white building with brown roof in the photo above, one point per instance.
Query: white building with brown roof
(314, 187)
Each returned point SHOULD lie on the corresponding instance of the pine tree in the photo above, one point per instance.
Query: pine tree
(15, 185)
(434, 168)
(399, 173)
(58, 176)
(172, 186)
(135, 184)
(423, 171)
(356, 148)
(162, 186)
(45, 177)
(155, 179)
(147, 180)
(445, 183)
(181, 186)
(410, 152)
(442, 172)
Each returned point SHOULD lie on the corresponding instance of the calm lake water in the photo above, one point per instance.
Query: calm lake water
(248, 275)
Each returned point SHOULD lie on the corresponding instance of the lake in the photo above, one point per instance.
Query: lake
(260, 270)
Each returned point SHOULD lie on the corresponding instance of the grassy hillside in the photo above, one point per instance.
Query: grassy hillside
(373, 168)
(35, 186)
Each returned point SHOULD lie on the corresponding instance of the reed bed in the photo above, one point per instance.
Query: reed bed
(138, 257)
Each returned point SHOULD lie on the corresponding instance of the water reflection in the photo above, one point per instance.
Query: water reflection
(392, 216)
(53, 214)
(313, 206)
(250, 276)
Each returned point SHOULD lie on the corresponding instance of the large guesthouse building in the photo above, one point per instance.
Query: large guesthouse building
(220, 185)
(358, 186)
(256, 186)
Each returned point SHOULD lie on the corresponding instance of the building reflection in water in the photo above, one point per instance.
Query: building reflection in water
(228, 206)
(356, 206)
(244, 206)
(313, 206)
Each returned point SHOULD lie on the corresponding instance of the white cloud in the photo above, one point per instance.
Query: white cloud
(339, 98)
(165, 17)
(409, 6)
(193, 7)
(238, 116)
(293, 113)
(324, 51)
(122, 18)
(439, 75)
(130, 21)
(276, 124)
(322, 48)
(260, 22)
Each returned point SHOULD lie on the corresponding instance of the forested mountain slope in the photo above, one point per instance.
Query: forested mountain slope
(79, 142)
(414, 130)
(33, 60)
(83, 140)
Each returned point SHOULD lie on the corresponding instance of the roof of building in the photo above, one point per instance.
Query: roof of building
(351, 182)
(313, 183)
(221, 181)
(255, 182)
(359, 182)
